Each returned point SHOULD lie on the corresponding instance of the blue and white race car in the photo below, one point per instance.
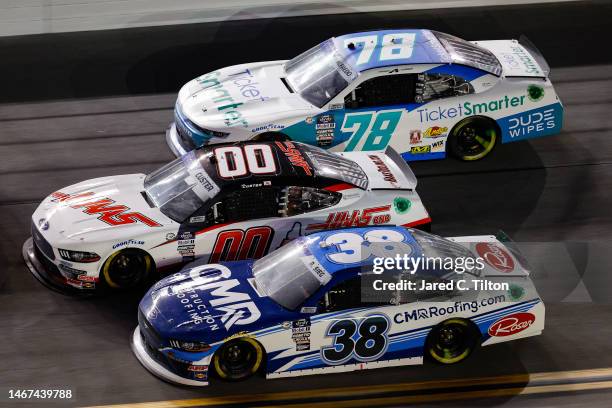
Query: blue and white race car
(424, 93)
(317, 305)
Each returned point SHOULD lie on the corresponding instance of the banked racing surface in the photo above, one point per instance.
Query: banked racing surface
(550, 190)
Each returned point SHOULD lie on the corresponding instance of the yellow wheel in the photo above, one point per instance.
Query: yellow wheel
(238, 359)
(473, 138)
(451, 341)
(127, 268)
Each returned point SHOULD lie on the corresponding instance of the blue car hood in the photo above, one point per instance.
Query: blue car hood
(209, 303)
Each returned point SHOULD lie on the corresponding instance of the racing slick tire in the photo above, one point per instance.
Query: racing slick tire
(473, 138)
(238, 359)
(271, 137)
(452, 341)
(127, 269)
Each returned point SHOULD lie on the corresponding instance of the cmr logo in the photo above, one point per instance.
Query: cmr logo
(237, 307)
(512, 324)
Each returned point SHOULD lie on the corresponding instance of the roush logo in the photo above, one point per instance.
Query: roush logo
(495, 256)
(509, 325)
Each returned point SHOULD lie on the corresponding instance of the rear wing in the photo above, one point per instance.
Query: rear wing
(519, 59)
(535, 53)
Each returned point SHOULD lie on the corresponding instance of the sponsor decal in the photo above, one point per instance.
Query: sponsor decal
(415, 136)
(516, 292)
(251, 185)
(186, 244)
(437, 146)
(308, 309)
(295, 156)
(356, 218)
(512, 324)
(325, 129)
(308, 120)
(227, 105)
(238, 308)
(59, 197)
(446, 310)
(197, 219)
(128, 242)
(495, 256)
(196, 368)
(109, 212)
(517, 57)
(535, 93)
(401, 205)
(467, 108)
(383, 169)
(336, 106)
(435, 131)
(170, 236)
(300, 334)
(420, 149)
(270, 126)
(43, 224)
(532, 123)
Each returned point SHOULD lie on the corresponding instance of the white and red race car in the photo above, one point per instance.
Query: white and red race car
(223, 202)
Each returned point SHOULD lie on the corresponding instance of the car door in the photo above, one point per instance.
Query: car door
(373, 111)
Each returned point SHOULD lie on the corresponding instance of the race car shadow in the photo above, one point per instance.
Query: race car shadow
(497, 192)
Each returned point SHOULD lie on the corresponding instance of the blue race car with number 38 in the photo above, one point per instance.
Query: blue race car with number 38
(315, 306)
(426, 94)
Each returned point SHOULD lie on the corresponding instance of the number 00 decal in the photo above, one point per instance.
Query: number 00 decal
(370, 343)
(236, 245)
(236, 161)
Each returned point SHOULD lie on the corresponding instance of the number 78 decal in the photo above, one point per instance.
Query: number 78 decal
(379, 128)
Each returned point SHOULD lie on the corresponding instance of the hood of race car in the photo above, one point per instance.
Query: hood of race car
(101, 209)
(209, 303)
(246, 96)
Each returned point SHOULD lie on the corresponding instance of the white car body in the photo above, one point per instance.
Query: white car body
(504, 81)
(109, 214)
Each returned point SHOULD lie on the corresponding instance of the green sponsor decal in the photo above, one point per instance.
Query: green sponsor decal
(401, 205)
(515, 292)
(535, 93)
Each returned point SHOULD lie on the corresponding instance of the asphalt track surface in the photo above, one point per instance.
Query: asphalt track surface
(555, 191)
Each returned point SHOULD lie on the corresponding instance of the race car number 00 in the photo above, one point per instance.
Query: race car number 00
(236, 161)
(370, 343)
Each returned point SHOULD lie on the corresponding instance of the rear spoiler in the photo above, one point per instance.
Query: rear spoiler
(401, 164)
(535, 53)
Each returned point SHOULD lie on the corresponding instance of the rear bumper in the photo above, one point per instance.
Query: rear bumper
(140, 351)
(49, 276)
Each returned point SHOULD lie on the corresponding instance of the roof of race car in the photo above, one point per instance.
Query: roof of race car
(293, 164)
(375, 49)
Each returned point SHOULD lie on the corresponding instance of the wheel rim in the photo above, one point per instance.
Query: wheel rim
(475, 140)
(126, 270)
(451, 343)
(237, 360)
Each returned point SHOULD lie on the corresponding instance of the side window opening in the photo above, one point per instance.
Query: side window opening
(430, 87)
(345, 295)
(299, 200)
(383, 91)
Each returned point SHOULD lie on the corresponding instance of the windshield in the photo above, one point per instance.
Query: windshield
(291, 274)
(319, 74)
(181, 187)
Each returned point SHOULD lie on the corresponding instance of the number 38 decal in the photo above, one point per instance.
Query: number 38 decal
(364, 341)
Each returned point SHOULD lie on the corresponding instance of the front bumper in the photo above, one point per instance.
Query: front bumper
(142, 354)
(177, 145)
(47, 273)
